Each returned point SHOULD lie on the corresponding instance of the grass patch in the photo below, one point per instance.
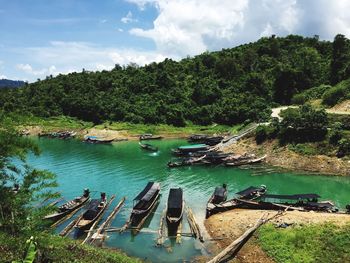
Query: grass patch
(57, 249)
(311, 243)
(135, 129)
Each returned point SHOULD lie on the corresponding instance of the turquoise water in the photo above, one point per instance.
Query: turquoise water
(124, 169)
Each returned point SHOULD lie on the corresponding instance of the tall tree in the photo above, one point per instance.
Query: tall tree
(340, 63)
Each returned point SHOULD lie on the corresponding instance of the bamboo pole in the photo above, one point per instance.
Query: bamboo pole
(178, 232)
(69, 227)
(193, 224)
(65, 218)
(105, 224)
(160, 239)
(90, 232)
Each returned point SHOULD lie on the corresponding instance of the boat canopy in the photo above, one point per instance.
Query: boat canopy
(92, 209)
(192, 146)
(148, 192)
(175, 198)
(250, 190)
(219, 192)
(293, 197)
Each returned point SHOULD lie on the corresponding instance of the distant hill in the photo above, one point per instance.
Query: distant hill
(7, 83)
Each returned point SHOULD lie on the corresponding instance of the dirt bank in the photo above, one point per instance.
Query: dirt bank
(282, 157)
(228, 226)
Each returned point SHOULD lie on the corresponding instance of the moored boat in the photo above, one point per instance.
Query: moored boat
(219, 196)
(92, 213)
(143, 204)
(149, 136)
(95, 139)
(70, 206)
(250, 193)
(148, 147)
(187, 150)
(175, 206)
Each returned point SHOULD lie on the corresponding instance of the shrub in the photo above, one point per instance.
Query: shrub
(334, 95)
(299, 99)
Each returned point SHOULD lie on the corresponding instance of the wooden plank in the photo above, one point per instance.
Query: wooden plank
(64, 219)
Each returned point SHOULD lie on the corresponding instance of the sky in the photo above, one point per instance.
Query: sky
(47, 37)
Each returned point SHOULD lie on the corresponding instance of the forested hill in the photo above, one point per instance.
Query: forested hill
(227, 87)
(6, 83)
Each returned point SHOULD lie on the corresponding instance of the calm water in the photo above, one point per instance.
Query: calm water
(124, 169)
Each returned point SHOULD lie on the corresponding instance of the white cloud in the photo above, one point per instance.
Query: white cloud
(3, 77)
(189, 27)
(103, 21)
(64, 57)
(128, 18)
(120, 30)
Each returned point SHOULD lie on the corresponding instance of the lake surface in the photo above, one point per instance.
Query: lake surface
(124, 169)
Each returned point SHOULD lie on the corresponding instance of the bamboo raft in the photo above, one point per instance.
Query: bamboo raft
(160, 239)
(90, 231)
(98, 234)
(65, 232)
(193, 224)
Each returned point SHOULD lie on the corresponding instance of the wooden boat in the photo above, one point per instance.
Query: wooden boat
(95, 139)
(244, 161)
(143, 204)
(149, 136)
(188, 150)
(197, 138)
(92, 213)
(175, 207)
(219, 196)
(148, 147)
(250, 193)
(70, 206)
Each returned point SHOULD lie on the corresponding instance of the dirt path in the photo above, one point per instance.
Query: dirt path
(228, 226)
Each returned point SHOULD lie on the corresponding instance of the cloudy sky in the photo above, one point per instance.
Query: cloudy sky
(41, 37)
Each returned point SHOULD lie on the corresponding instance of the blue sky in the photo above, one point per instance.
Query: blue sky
(39, 38)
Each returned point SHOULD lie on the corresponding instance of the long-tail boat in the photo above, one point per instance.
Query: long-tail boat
(92, 213)
(70, 206)
(143, 204)
(149, 136)
(95, 139)
(148, 147)
(189, 149)
(250, 193)
(219, 196)
(175, 206)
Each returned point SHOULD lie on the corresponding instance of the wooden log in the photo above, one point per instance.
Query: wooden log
(64, 219)
(107, 222)
(70, 226)
(160, 239)
(178, 233)
(237, 244)
(193, 224)
(90, 231)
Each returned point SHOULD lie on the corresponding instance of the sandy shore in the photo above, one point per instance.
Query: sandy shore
(228, 226)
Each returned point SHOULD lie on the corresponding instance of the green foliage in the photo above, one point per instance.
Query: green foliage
(344, 147)
(267, 132)
(303, 125)
(56, 249)
(336, 133)
(225, 87)
(337, 93)
(303, 149)
(17, 213)
(312, 243)
(310, 94)
(340, 65)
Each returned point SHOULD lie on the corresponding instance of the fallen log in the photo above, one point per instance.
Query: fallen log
(193, 224)
(160, 239)
(70, 226)
(231, 250)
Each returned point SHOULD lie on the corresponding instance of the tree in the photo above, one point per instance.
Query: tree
(20, 185)
(340, 59)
